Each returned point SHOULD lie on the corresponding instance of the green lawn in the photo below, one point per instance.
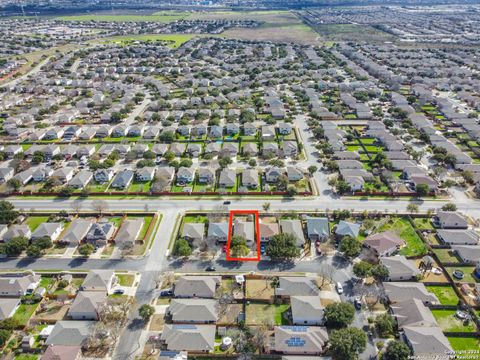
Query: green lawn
(146, 224)
(35, 221)
(24, 313)
(175, 40)
(423, 223)
(117, 221)
(448, 322)
(468, 272)
(46, 282)
(26, 357)
(460, 343)
(125, 279)
(445, 294)
(446, 256)
(403, 228)
(257, 313)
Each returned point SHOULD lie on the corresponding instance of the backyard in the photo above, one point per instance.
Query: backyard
(445, 294)
(403, 228)
(258, 313)
(449, 323)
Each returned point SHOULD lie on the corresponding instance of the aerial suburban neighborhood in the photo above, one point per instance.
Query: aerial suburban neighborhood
(259, 179)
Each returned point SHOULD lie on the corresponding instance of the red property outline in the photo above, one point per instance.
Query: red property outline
(230, 230)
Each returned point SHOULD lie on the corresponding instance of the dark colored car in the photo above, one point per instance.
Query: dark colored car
(357, 303)
(166, 293)
(119, 291)
(227, 202)
(211, 268)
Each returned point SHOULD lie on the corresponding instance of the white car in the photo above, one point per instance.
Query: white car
(339, 288)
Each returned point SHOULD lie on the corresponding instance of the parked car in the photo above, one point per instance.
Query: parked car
(166, 292)
(262, 249)
(227, 202)
(357, 303)
(119, 291)
(318, 244)
(339, 288)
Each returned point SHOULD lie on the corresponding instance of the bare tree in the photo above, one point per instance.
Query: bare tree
(326, 272)
(77, 206)
(99, 206)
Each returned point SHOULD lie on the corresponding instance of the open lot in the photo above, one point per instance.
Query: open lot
(258, 313)
(259, 289)
(157, 17)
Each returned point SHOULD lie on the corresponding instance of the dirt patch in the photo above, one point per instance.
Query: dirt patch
(299, 34)
(157, 322)
(230, 315)
(52, 311)
(259, 289)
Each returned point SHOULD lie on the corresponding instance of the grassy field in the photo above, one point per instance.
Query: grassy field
(35, 221)
(459, 343)
(257, 313)
(125, 279)
(446, 256)
(174, 40)
(24, 312)
(448, 322)
(157, 17)
(445, 294)
(340, 32)
(423, 223)
(403, 228)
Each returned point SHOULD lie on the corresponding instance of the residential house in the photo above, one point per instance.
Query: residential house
(469, 254)
(194, 149)
(230, 149)
(191, 338)
(294, 173)
(86, 305)
(123, 179)
(458, 237)
(450, 220)
(17, 231)
(346, 228)
(293, 227)
(17, 286)
(300, 340)
(290, 149)
(185, 175)
(76, 232)
(297, 286)
(270, 149)
(192, 286)
(249, 129)
(412, 312)
(212, 148)
(206, 175)
(99, 280)
(8, 307)
(268, 231)
(383, 244)
(218, 231)
(71, 333)
(250, 149)
(268, 132)
(64, 174)
(81, 179)
(250, 178)
(306, 310)
(103, 176)
(317, 228)
(199, 311)
(400, 291)
(6, 173)
(145, 174)
(129, 232)
(216, 131)
(228, 178)
(426, 341)
(62, 352)
(50, 230)
(244, 229)
(400, 268)
(100, 233)
(193, 231)
(284, 128)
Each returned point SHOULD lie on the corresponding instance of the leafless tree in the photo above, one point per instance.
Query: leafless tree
(77, 206)
(99, 206)
(326, 273)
